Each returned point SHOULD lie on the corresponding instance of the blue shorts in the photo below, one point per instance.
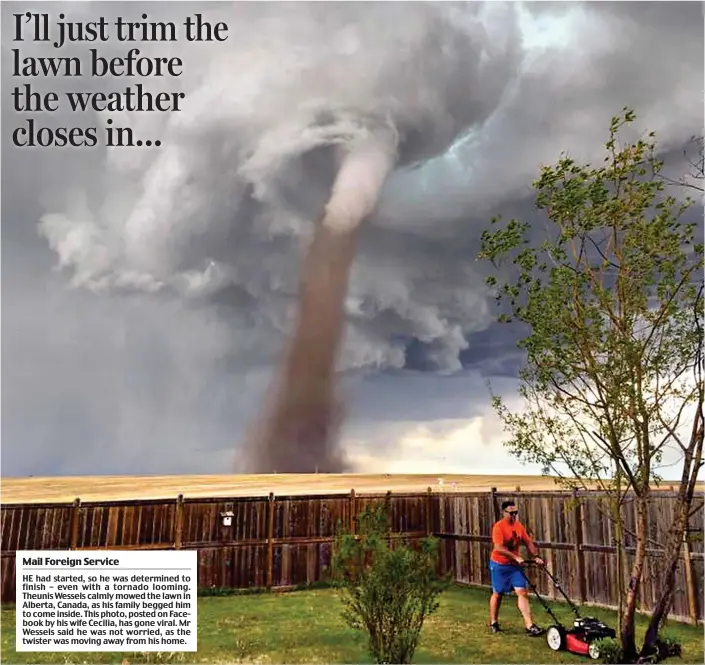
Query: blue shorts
(506, 577)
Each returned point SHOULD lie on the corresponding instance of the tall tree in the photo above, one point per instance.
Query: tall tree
(691, 445)
(610, 293)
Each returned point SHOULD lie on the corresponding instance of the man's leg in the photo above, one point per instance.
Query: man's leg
(499, 584)
(523, 604)
(524, 607)
(495, 602)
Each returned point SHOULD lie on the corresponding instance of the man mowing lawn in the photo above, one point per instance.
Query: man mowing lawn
(505, 567)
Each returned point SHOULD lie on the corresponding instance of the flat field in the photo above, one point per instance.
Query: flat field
(120, 488)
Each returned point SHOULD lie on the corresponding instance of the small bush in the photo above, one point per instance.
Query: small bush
(387, 592)
(610, 650)
(666, 646)
(669, 647)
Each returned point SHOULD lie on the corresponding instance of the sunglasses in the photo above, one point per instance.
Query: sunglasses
(512, 512)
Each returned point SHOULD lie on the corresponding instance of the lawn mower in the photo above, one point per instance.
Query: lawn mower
(582, 637)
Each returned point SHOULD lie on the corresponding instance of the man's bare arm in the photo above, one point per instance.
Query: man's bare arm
(533, 550)
(507, 553)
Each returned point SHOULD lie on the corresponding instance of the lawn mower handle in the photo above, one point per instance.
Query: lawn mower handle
(556, 584)
(541, 599)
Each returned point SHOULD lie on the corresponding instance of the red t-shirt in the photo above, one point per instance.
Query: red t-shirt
(510, 537)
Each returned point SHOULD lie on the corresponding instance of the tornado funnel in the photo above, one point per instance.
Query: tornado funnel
(297, 432)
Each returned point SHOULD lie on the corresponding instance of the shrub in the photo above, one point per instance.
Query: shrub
(387, 592)
(666, 646)
(610, 650)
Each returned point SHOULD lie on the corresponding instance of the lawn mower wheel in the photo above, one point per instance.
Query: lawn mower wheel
(555, 637)
(594, 651)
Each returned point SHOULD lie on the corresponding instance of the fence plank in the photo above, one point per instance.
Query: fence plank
(690, 589)
(548, 534)
(429, 497)
(493, 505)
(179, 522)
(578, 516)
(75, 514)
(270, 540)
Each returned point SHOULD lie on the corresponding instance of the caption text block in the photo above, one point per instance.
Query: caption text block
(106, 601)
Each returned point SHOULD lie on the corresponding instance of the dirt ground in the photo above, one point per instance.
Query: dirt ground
(117, 488)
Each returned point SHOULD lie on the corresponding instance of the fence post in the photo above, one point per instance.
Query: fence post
(428, 511)
(493, 497)
(579, 554)
(689, 580)
(548, 535)
(74, 523)
(178, 521)
(391, 540)
(270, 539)
(353, 516)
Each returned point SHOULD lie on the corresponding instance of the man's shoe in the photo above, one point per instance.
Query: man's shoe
(535, 631)
(494, 627)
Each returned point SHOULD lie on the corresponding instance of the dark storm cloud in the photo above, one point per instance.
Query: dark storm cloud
(136, 378)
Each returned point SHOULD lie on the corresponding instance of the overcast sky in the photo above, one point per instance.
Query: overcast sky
(146, 291)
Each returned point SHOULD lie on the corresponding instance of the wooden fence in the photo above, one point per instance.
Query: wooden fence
(285, 541)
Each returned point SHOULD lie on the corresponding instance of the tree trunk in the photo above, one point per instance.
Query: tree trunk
(628, 627)
(691, 465)
(615, 500)
(673, 554)
(621, 567)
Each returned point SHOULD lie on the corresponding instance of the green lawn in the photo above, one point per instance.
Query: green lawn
(305, 627)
